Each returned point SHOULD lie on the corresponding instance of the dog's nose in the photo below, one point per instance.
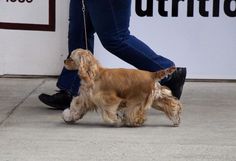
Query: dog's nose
(67, 60)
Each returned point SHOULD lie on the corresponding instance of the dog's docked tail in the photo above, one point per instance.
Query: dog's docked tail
(159, 75)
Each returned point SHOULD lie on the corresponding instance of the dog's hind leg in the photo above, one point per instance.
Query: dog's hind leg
(134, 116)
(170, 106)
(136, 111)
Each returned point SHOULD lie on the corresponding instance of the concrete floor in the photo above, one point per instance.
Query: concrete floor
(29, 131)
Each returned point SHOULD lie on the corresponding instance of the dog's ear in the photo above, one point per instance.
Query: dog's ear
(88, 66)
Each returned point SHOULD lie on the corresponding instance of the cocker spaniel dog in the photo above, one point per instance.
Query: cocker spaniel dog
(123, 96)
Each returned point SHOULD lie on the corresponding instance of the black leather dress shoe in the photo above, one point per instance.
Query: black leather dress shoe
(176, 82)
(59, 101)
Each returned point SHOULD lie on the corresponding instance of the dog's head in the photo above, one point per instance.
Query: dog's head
(83, 61)
(78, 57)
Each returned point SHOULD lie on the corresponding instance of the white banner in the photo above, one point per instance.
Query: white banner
(27, 14)
(198, 34)
(24, 11)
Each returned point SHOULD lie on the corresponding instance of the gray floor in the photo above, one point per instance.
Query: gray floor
(29, 131)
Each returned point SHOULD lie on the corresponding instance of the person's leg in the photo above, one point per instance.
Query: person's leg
(110, 19)
(68, 81)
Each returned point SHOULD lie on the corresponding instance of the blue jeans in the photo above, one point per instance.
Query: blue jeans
(110, 20)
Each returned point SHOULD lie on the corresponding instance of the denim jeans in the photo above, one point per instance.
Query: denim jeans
(110, 20)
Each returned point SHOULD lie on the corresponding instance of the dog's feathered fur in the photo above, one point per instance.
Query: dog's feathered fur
(122, 95)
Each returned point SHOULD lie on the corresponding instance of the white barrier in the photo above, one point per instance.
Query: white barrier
(199, 34)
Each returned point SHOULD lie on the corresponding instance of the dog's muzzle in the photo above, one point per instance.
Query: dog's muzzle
(68, 60)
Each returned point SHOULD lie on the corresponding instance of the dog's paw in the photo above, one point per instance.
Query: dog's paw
(66, 115)
(176, 120)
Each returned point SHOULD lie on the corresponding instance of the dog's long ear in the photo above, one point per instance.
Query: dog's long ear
(88, 67)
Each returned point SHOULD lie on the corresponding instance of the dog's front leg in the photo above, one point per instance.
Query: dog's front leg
(75, 112)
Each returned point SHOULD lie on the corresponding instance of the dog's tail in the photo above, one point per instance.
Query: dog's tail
(159, 75)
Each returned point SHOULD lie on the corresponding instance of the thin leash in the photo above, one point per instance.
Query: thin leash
(85, 26)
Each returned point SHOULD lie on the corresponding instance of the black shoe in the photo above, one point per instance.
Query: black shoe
(59, 101)
(176, 82)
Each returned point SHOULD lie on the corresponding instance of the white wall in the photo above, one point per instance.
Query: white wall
(206, 45)
(36, 52)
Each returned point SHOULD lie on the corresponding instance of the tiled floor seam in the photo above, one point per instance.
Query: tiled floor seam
(20, 103)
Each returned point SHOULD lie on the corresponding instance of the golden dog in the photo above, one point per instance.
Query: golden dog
(122, 95)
